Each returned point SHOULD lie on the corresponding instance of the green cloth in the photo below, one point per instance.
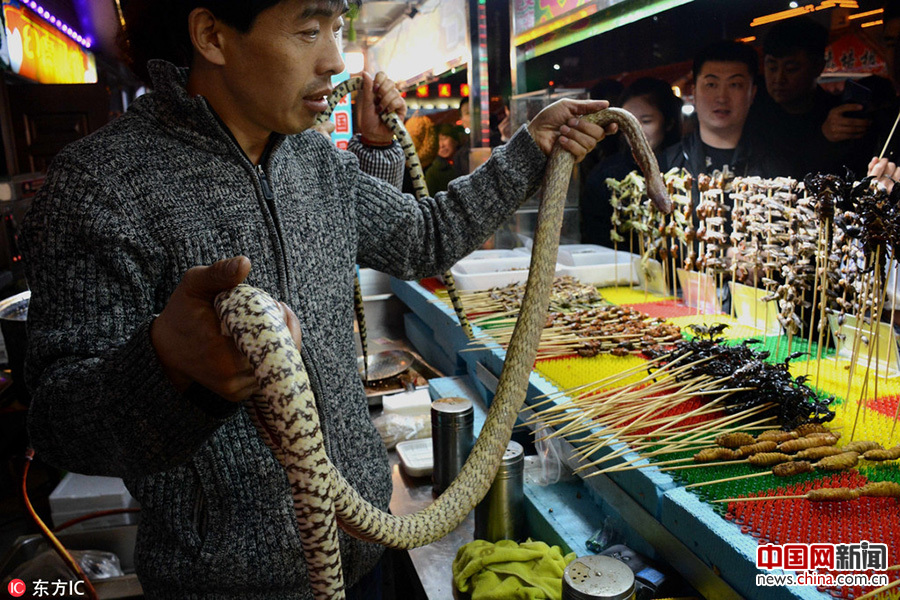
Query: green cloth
(509, 571)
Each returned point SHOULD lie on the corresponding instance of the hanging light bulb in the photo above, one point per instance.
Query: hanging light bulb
(354, 55)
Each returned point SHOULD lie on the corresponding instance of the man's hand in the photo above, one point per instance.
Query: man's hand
(839, 128)
(561, 121)
(884, 172)
(379, 95)
(188, 338)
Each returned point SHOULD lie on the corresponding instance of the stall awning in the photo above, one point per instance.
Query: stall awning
(540, 26)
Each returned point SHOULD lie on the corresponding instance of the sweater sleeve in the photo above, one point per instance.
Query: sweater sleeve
(411, 238)
(101, 403)
(384, 163)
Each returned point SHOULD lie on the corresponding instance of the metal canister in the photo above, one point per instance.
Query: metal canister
(501, 514)
(452, 421)
(598, 578)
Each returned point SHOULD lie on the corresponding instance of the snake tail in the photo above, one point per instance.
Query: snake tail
(254, 320)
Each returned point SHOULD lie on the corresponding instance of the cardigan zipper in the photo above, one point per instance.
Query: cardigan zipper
(311, 370)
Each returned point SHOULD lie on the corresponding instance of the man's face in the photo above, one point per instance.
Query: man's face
(278, 74)
(723, 94)
(791, 78)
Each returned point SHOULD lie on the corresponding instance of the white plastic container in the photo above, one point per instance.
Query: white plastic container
(578, 255)
(596, 265)
(417, 457)
(487, 273)
(491, 254)
(78, 495)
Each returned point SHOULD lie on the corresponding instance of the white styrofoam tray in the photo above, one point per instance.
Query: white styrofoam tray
(417, 457)
(578, 255)
(491, 254)
(595, 265)
(78, 495)
(484, 274)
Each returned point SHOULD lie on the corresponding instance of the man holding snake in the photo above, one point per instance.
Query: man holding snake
(212, 179)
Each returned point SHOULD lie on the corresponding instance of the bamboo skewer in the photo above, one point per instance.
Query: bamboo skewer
(890, 135)
(860, 320)
(884, 588)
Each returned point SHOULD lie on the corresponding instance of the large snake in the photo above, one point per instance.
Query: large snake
(285, 408)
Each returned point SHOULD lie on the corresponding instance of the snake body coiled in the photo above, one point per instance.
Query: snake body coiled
(286, 415)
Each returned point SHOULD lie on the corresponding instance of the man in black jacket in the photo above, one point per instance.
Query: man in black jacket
(724, 89)
(808, 129)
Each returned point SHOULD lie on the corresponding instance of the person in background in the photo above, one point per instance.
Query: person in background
(885, 172)
(809, 129)
(210, 180)
(425, 139)
(441, 172)
(658, 109)
(605, 89)
(724, 88)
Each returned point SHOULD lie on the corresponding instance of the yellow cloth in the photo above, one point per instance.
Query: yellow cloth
(509, 571)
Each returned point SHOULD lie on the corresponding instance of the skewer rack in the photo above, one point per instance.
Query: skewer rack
(659, 518)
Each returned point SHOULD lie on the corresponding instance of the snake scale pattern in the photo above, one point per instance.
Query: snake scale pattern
(285, 412)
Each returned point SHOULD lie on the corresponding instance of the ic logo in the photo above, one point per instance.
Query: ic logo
(16, 588)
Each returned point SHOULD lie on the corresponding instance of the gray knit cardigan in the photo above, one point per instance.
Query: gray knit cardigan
(123, 214)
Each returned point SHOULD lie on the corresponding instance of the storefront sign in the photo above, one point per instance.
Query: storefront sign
(342, 115)
(851, 55)
(35, 49)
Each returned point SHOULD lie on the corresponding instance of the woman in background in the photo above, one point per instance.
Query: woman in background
(658, 109)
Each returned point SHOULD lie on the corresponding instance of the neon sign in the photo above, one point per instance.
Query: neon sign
(38, 51)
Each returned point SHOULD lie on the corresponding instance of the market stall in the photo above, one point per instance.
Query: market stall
(640, 427)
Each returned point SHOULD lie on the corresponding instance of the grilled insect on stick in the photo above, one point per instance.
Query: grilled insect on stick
(838, 462)
(881, 454)
(792, 446)
(875, 489)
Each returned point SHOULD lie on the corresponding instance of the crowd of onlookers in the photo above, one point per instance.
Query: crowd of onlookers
(777, 122)
(755, 112)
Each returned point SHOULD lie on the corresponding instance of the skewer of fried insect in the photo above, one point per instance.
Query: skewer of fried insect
(837, 462)
(733, 446)
(873, 489)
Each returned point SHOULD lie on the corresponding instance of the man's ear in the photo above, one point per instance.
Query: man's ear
(206, 35)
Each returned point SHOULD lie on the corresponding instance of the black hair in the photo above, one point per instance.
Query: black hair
(658, 93)
(158, 28)
(787, 37)
(607, 89)
(727, 51)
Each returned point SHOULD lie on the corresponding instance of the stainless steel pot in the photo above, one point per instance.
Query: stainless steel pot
(13, 312)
